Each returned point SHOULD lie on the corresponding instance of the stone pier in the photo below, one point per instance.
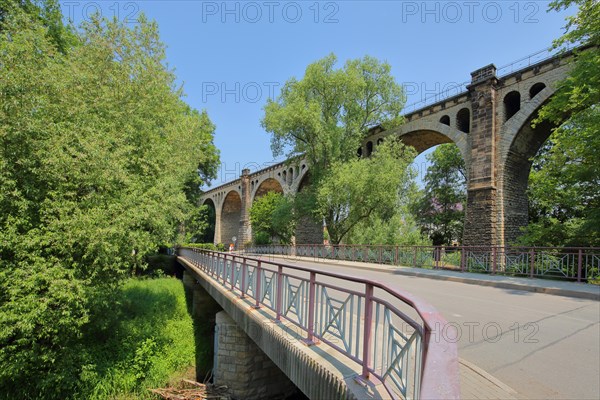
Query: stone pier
(203, 309)
(243, 367)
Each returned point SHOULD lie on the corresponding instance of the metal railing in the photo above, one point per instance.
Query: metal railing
(515, 66)
(581, 264)
(387, 331)
(450, 92)
(533, 59)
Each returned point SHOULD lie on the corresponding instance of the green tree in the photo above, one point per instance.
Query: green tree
(440, 209)
(272, 217)
(325, 115)
(565, 180)
(89, 183)
(45, 12)
(364, 189)
(399, 229)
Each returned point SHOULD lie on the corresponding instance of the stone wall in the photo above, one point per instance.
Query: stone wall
(308, 231)
(243, 367)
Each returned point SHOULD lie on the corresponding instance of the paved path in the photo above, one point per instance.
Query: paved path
(542, 346)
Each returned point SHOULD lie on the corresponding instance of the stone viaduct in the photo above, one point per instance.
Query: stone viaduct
(490, 122)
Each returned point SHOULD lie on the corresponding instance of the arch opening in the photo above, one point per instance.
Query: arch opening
(512, 104)
(209, 214)
(369, 149)
(526, 144)
(445, 120)
(535, 89)
(423, 140)
(266, 186)
(359, 152)
(463, 120)
(439, 211)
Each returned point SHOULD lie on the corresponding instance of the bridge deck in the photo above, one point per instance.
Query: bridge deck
(366, 338)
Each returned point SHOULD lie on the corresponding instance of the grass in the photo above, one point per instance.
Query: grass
(146, 343)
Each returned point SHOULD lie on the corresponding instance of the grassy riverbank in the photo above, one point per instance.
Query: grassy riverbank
(149, 342)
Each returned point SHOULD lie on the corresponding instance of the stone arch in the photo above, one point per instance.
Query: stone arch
(535, 89)
(211, 232)
(265, 186)
(445, 120)
(512, 104)
(521, 142)
(463, 120)
(231, 214)
(425, 135)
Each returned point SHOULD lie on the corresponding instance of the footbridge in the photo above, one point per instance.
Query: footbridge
(332, 335)
(489, 119)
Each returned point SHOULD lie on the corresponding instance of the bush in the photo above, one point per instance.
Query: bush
(145, 342)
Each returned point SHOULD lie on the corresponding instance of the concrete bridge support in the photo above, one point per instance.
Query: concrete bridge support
(243, 367)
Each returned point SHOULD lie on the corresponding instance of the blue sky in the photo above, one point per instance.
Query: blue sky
(232, 55)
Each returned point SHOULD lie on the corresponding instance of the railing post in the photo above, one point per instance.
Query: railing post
(396, 256)
(232, 271)
(244, 271)
(415, 257)
(380, 254)
(257, 272)
(463, 264)
(366, 359)
(579, 265)
(494, 260)
(224, 269)
(532, 261)
(279, 292)
(311, 308)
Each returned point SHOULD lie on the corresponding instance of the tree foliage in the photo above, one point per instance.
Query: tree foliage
(90, 184)
(363, 189)
(398, 229)
(440, 209)
(45, 12)
(565, 180)
(272, 217)
(325, 115)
